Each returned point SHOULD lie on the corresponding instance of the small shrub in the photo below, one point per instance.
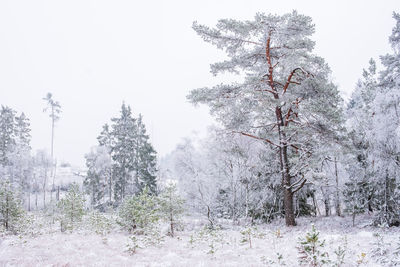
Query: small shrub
(139, 212)
(361, 259)
(71, 208)
(212, 237)
(340, 253)
(380, 250)
(277, 261)
(147, 237)
(11, 212)
(171, 207)
(100, 224)
(248, 234)
(310, 250)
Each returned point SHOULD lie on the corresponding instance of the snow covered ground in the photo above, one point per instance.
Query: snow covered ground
(222, 248)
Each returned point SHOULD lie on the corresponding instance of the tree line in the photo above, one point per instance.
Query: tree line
(286, 144)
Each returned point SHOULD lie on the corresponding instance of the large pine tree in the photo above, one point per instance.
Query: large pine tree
(285, 99)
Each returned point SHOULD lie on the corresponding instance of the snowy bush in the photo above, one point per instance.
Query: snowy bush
(11, 213)
(139, 212)
(99, 223)
(214, 238)
(340, 253)
(171, 208)
(276, 261)
(147, 237)
(310, 249)
(248, 234)
(71, 208)
(380, 250)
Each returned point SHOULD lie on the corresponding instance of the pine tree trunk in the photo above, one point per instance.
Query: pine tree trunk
(288, 195)
(286, 179)
(234, 204)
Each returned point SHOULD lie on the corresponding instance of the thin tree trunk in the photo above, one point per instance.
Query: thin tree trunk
(44, 197)
(234, 204)
(36, 198)
(7, 211)
(44, 187)
(171, 214)
(29, 198)
(247, 200)
(338, 212)
(318, 212)
(327, 206)
(52, 150)
(110, 187)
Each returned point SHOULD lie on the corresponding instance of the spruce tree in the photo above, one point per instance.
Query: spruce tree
(123, 152)
(133, 156)
(145, 160)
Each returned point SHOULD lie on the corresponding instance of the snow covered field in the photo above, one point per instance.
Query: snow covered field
(224, 248)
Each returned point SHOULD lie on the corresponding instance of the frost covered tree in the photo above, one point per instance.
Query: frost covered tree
(98, 181)
(145, 159)
(22, 165)
(285, 100)
(224, 176)
(386, 134)
(374, 120)
(355, 197)
(54, 109)
(42, 163)
(199, 185)
(15, 150)
(7, 133)
(360, 112)
(123, 151)
(133, 156)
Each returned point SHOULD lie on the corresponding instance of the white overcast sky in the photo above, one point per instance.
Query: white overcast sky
(93, 55)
